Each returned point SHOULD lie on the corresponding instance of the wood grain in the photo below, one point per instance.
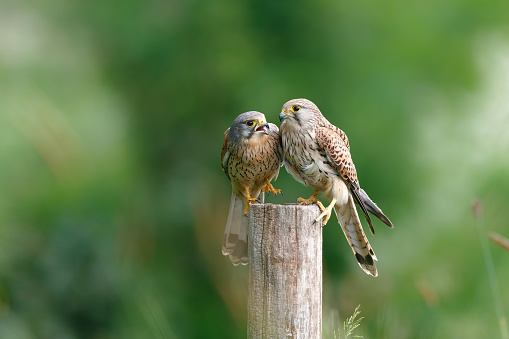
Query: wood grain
(285, 272)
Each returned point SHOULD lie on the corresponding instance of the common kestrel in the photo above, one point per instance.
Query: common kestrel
(317, 154)
(251, 157)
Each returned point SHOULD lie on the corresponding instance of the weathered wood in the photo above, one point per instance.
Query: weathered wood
(285, 272)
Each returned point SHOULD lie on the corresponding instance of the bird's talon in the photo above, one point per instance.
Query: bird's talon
(320, 206)
(249, 201)
(326, 212)
(311, 200)
(302, 201)
(270, 189)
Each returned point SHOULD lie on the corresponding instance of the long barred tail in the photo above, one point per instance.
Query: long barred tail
(351, 226)
(235, 234)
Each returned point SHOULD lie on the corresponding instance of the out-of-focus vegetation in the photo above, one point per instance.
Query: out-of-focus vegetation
(113, 203)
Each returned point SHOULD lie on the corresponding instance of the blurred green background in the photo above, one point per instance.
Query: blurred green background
(113, 202)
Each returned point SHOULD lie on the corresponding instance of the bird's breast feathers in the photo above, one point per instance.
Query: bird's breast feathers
(307, 164)
(256, 159)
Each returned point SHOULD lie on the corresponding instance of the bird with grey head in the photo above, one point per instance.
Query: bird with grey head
(251, 157)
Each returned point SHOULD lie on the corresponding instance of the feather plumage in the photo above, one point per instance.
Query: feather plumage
(317, 154)
(251, 157)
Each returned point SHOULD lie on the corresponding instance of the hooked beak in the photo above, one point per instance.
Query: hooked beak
(264, 128)
(282, 116)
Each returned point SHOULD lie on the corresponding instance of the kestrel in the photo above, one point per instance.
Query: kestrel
(251, 157)
(317, 154)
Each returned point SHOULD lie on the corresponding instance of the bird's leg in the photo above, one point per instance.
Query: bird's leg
(269, 188)
(326, 212)
(312, 199)
(249, 200)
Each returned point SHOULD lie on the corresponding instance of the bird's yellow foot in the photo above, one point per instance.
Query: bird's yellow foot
(269, 188)
(326, 212)
(312, 199)
(249, 201)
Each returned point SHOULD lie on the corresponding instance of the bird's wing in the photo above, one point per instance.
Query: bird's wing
(334, 143)
(225, 153)
(374, 209)
(341, 134)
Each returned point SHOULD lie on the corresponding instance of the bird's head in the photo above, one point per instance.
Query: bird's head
(248, 125)
(299, 113)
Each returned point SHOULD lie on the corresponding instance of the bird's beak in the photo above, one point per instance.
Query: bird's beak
(264, 128)
(282, 115)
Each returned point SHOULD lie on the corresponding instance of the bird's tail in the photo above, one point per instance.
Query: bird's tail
(351, 226)
(235, 234)
(372, 208)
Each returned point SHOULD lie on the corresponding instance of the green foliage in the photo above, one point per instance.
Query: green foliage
(490, 270)
(113, 203)
(350, 325)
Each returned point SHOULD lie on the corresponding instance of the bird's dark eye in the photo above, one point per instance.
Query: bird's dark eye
(250, 123)
(296, 108)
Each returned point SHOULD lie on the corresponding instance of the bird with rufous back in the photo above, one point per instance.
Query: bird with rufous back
(317, 154)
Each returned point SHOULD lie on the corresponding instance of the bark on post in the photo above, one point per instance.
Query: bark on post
(285, 272)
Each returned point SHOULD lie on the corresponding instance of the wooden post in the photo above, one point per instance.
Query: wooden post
(285, 272)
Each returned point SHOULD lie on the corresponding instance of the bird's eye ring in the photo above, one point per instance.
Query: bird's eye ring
(296, 108)
(250, 123)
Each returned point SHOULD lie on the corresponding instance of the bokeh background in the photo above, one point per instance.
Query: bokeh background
(113, 202)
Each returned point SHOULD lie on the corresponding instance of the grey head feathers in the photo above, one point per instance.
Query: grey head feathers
(242, 128)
